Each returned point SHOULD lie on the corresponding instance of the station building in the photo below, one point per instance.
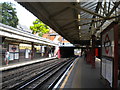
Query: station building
(93, 26)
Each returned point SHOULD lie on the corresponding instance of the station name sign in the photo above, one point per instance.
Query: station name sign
(108, 43)
(109, 64)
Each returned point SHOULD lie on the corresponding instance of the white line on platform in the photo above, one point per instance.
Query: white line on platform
(56, 86)
(23, 63)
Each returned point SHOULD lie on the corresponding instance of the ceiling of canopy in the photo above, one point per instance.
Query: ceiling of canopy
(76, 21)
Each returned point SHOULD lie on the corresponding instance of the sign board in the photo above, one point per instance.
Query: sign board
(27, 51)
(109, 56)
(14, 52)
(107, 69)
(104, 68)
(11, 56)
(43, 49)
(13, 48)
(16, 56)
(108, 43)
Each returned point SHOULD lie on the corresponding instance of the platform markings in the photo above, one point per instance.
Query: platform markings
(66, 79)
(15, 65)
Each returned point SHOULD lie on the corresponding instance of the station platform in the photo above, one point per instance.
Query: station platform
(22, 63)
(82, 75)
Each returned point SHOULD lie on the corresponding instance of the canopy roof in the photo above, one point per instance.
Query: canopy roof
(76, 21)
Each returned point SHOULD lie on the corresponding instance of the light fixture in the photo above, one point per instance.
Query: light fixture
(79, 27)
(78, 17)
(78, 1)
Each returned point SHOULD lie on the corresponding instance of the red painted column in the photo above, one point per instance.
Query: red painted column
(93, 51)
(59, 56)
(87, 56)
(90, 56)
(96, 52)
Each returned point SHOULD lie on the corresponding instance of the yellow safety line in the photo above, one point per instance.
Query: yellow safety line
(66, 79)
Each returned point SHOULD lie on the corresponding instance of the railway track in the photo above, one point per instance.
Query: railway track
(9, 74)
(14, 77)
(45, 79)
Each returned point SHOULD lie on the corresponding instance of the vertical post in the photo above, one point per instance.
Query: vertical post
(93, 51)
(3, 39)
(59, 56)
(115, 56)
(1, 58)
(42, 50)
(46, 51)
(81, 52)
(32, 51)
(86, 53)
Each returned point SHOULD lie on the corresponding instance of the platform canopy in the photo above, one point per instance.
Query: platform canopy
(76, 21)
(21, 36)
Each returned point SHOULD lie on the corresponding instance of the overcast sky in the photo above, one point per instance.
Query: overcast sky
(25, 17)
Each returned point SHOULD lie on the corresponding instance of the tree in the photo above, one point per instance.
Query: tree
(39, 27)
(8, 14)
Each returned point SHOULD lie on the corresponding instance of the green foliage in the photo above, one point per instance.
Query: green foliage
(39, 27)
(8, 14)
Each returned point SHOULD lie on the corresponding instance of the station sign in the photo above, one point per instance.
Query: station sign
(108, 43)
(109, 64)
(13, 48)
(14, 52)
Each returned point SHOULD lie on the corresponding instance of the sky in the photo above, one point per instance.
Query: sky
(25, 17)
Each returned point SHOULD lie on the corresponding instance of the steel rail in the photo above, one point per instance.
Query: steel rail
(19, 72)
(31, 80)
(54, 81)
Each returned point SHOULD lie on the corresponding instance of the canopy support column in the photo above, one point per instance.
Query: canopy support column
(32, 51)
(93, 51)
